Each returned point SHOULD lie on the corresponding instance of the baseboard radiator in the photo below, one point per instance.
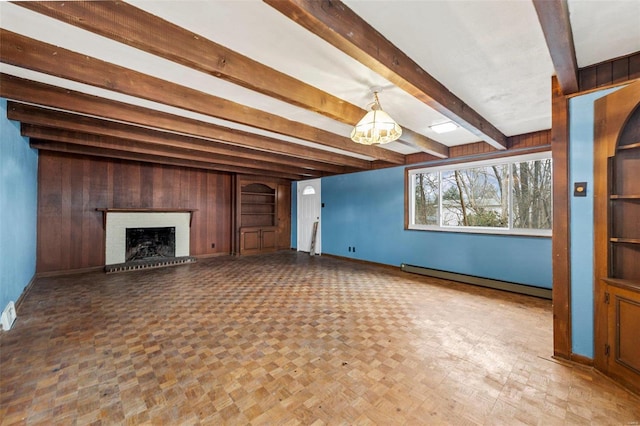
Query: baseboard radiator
(544, 293)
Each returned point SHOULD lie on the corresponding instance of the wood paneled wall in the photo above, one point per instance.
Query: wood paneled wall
(528, 140)
(611, 72)
(70, 188)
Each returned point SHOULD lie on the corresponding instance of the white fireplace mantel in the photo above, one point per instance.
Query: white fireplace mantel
(116, 222)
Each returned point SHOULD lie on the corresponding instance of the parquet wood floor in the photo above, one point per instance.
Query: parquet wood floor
(289, 339)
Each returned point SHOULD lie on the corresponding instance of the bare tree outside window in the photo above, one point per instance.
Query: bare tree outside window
(427, 199)
(500, 196)
(532, 194)
(475, 197)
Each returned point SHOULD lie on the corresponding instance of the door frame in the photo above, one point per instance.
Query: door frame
(317, 185)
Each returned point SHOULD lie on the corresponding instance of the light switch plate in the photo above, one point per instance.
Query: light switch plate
(580, 189)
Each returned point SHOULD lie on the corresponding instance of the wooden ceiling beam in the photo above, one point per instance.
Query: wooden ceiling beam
(334, 22)
(135, 27)
(30, 114)
(556, 27)
(78, 141)
(36, 55)
(126, 155)
(221, 162)
(24, 90)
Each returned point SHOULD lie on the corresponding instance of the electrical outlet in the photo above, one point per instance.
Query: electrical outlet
(354, 249)
(349, 248)
(213, 245)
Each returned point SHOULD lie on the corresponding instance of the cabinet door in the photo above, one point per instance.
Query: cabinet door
(624, 328)
(269, 239)
(250, 241)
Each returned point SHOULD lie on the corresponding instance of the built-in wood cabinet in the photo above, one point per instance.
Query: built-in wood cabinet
(263, 215)
(617, 235)
(257, 239)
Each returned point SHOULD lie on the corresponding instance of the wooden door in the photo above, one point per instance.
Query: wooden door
(617, 235)
(308, 213)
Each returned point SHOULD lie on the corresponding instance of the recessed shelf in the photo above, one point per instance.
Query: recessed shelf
(624, 283)
(625, 240)
(624, 197)
(629, 146)
(257, 207)
(270, 194)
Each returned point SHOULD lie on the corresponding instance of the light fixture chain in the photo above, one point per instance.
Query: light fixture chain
(375, 96)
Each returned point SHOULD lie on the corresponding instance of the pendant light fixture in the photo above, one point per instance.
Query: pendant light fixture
(376, 127)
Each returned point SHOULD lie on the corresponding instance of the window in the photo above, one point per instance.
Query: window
(507, 196)
(308, 190)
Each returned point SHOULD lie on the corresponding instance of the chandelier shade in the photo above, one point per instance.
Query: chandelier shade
(376, 127)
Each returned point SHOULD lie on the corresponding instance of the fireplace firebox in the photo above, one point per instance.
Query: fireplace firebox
(150, 243)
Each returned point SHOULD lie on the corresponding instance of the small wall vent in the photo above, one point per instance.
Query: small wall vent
(8, 316)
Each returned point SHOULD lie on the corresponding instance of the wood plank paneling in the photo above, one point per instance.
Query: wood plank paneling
(76, 207)
(587, 78)
(619, 71)
(98, 194)
(561, 243)
(470, 149)
(284, 216)
(530, 140)
(604, 74)
(215, 207)
(611, 72)
(540, 139)
(634, 66)
(71, 187)
(49, 214)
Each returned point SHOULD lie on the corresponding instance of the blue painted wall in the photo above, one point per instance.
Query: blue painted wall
(18, 209)
(366, 211)
(581, 122)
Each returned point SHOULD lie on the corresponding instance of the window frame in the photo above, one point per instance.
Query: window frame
(509, 160)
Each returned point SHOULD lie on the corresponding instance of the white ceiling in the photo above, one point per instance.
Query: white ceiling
(491, 54)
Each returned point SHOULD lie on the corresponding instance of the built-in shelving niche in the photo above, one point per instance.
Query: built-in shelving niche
(617, 235)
